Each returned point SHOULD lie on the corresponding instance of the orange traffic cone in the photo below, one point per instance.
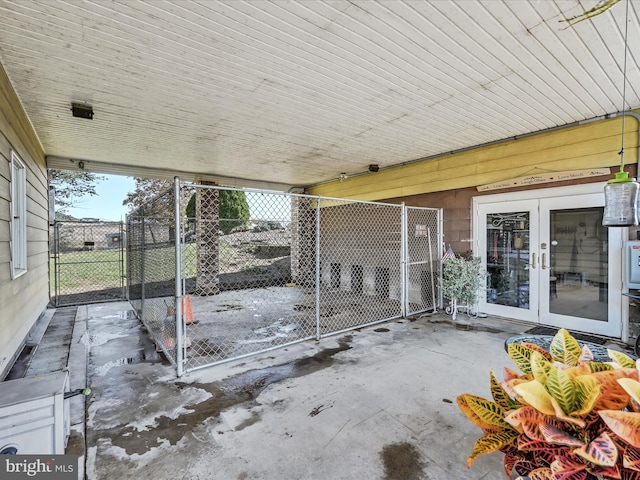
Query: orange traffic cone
(186, 310)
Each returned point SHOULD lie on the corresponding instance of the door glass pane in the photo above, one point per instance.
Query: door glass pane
(578, 263)
(507, 259)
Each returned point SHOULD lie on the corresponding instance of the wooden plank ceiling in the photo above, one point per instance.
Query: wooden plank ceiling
(282, 94)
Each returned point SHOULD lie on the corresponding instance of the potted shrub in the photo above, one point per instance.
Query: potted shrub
(565, 417)
(460, 283)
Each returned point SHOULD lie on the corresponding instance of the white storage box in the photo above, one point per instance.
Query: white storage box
(34, 416)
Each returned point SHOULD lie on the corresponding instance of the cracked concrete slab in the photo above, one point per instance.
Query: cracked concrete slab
(378, 402)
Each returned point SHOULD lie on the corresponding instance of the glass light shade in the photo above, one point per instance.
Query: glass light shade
(620, 202)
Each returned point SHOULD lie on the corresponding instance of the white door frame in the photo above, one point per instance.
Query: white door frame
(618, 304)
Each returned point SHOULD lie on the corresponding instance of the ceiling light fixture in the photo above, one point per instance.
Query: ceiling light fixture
(621, 193)
(82, 111)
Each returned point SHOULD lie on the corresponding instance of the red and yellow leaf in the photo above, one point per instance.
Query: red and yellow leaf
(587, 392)
(533, 393)
(491, 443)
(631, 458)
(625, 361)
(600, 451)
(556, 436)
(606, 472)
(500, 395)
(581, 369)
(599, 366)
(510, 374)
(521, 356)
(625, 425)
(526, 419)
(540, 367)
(613, 396)
(486, 418)
(537, 348)
(629, 475)
(630, 386)
(543, 473)
(560, 415)
(561, 389)
(586, 355)
(565, 349)
(566, 467)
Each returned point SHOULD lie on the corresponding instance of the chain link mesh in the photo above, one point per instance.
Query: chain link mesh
(241, 295)
(87, 262)
(423, 259)
(151, 269)
(261, 270)
(360, 264)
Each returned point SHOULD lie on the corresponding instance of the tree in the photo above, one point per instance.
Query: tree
(71, 186)
(148, 189)
(233, 212)
(234, 209)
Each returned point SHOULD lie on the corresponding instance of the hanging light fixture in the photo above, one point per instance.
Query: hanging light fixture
(621, 193)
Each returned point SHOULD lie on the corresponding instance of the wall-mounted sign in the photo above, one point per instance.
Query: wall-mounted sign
(421, 231)
(545, 178)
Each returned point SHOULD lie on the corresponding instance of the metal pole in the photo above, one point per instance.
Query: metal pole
(433, 288)
(404, 261)
(440, 252)
(56, 263)
(142, 262)
(318, 268)
(123, 295)
(179, 319)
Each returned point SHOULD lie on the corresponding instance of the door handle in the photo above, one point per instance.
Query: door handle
(544, 261)
(533, 260)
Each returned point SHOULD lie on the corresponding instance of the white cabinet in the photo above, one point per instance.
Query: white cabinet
(34, 416)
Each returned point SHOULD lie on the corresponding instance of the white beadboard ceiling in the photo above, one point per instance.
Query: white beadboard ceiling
(293, 93)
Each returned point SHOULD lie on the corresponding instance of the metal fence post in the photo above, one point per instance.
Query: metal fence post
(56, 259)
(143, 280)
(179, 319)
(404, 262)
(318, 200)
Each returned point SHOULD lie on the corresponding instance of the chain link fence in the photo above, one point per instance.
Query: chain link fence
(262, 270)
(151, 270)
(424, 267)
(87, 263)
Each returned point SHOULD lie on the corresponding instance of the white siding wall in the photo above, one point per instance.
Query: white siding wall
(24, 299)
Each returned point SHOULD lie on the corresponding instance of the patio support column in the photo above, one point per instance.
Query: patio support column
(303, 241)
(207, 240)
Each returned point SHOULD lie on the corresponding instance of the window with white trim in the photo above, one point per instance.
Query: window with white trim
(18, 216)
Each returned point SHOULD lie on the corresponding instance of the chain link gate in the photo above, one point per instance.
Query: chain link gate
(423, 249)
(261, 270)
(87, 263)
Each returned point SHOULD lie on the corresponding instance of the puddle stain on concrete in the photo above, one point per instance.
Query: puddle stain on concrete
(254, 418)
(243, 388)
(401, 462)
(381, 330)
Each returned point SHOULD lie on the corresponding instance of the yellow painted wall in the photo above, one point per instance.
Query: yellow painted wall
(23, 299)
(577, 147)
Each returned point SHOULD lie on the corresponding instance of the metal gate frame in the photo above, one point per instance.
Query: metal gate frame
(416, 258)
(380, 245)
(83, 250)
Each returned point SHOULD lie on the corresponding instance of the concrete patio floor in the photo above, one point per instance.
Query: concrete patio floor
(375, 403)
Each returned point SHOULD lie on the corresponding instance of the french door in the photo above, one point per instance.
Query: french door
(549, 260)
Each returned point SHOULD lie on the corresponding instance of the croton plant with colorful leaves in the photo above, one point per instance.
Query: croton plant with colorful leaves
(566, 417)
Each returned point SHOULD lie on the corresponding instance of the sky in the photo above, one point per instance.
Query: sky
(107, 205)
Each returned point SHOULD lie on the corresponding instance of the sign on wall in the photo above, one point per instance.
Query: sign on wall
(545, 178)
